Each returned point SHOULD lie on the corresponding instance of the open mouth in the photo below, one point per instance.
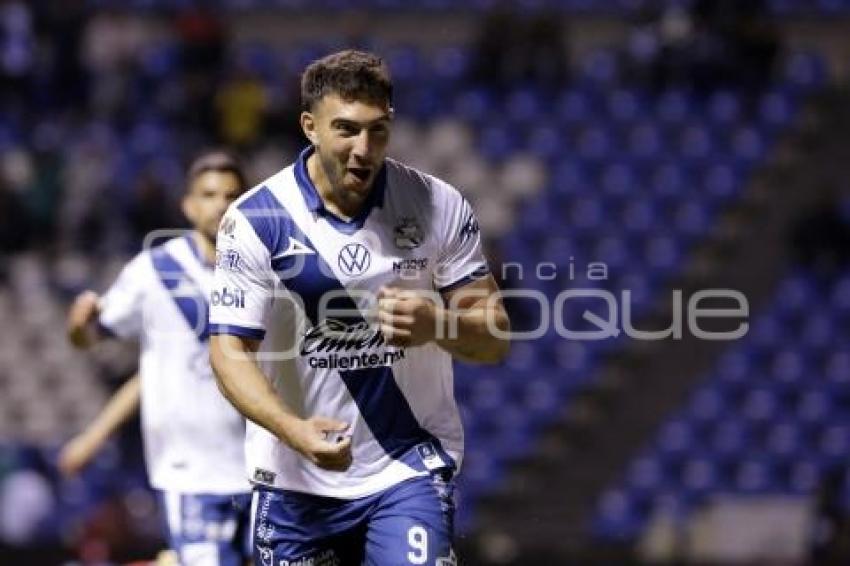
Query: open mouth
(362, 173)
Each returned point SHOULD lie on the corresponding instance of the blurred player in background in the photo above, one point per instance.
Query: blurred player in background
(193, 438)
(355, 437)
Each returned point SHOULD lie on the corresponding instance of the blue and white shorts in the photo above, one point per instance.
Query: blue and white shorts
(409, 523)
(208, 530)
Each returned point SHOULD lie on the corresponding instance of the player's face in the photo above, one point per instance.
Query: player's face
(207, 200)
(351, 139)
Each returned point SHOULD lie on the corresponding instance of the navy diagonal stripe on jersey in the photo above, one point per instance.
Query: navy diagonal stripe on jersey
(270, 221)
(378, 396)
(194, 309)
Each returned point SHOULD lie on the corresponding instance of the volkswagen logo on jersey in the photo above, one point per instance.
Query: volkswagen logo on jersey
(354, 259)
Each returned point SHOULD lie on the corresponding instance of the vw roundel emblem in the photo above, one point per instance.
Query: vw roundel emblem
(354, 259)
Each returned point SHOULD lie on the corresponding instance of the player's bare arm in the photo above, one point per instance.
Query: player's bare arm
(464, 326)
(243, 384)
(81, 329)
(81, 449)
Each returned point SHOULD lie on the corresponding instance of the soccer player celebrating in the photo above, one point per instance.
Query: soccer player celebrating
(355, 279)
(193, 438)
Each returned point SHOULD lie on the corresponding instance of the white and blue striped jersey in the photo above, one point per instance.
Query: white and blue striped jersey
(193, 437)
(304, 281)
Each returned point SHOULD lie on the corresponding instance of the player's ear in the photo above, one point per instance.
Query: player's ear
(308, 126)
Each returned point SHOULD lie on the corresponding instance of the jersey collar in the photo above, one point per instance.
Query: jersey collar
(314, 201)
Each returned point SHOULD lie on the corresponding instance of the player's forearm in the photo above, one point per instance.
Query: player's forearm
(82, 331)
(123, 405)
(245, 386)
(477, 335)
(83, 336)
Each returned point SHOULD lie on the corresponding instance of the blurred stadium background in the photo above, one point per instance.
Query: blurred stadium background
(685, 144)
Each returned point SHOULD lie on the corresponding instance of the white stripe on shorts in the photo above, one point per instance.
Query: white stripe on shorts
(255, 501)
(173, 512)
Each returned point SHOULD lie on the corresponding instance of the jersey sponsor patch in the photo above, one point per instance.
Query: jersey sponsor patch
(229, 298)
(229, 260)
(264, 476)
(430, 457)
(266, 556)
(323, 558)
(295, 248)
(407, 235)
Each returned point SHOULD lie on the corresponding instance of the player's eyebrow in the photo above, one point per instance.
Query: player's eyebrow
(355, 124)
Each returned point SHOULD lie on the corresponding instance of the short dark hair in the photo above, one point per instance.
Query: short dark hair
(351, 74)
(216, 160)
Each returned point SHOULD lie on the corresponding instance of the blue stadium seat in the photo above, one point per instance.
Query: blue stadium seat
(662, 252)
(747, 144)
(837, 367)
(706, 406)
(768, 333)
(721, 181)
(160, 61)
(569, 177)
(573, 107)
(775, 109)
(755, 476)
(523, 105)
(474, 105)
(804, 71)
(784, 440)
(586, 214)
(618, 516)
(617, 179)
(571, 356)
(625, 105)
(672, 107)
(645, 141)
(406, 63)
(600, 68)
(676, 437)
(760, 405)
(790, 368)
(668, 179)
(594, 143)
(796, 294)
(833, 444)
(840, 296)
(730, 439)
(549, 142)
(646, 474)
(724, 108)
(639, 216)
(612, 250)
(450, 63)
(695, 143)
(813, 407)
(497, 142)
(259, 59)
(692, 219)
(700, 476)
(819, 329)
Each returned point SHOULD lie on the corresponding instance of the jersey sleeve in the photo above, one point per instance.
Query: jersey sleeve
(121, 306)
(461, 259)
(244, 281)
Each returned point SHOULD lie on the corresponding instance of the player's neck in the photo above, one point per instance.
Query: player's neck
(342, 204)
(206, 247)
